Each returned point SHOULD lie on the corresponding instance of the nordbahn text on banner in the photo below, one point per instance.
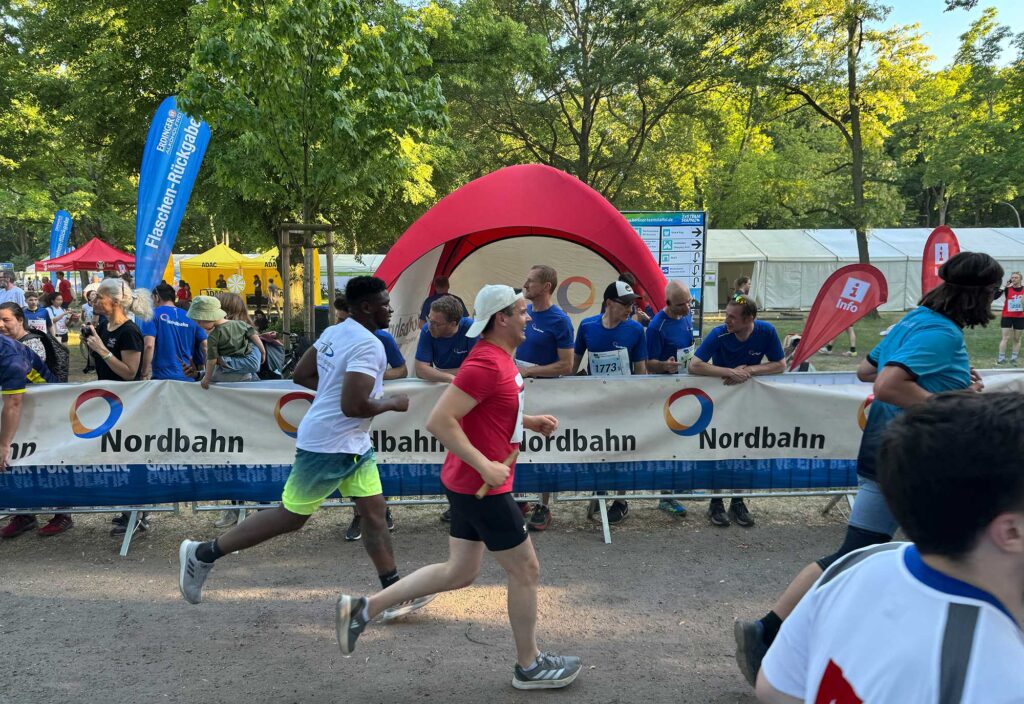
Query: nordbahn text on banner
(173, 154)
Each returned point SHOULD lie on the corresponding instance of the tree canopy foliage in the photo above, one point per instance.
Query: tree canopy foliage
(766, 113)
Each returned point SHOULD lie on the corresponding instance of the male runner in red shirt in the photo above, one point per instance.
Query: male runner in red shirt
(480, 419)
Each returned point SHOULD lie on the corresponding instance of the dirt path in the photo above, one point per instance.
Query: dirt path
(651, 614)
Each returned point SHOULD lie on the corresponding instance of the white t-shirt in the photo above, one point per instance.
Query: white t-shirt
(346, 347)
(882, 626)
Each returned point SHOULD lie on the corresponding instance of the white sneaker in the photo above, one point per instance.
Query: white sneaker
(228, 517)
(192, 572)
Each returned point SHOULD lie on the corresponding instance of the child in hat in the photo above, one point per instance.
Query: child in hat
(234, 350)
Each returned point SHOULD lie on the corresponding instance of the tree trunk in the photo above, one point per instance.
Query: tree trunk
(854, 28)
(943, 204)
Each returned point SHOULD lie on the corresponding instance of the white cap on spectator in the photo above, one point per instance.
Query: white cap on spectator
(491, 299)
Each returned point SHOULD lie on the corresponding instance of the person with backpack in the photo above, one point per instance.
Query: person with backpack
(15, 323)
(59, 316)
(12, 325)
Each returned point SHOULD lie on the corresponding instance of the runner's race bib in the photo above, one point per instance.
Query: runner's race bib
(37, 324)
(1015, 305)
(683, 356)
(517, 430)
(611, 363)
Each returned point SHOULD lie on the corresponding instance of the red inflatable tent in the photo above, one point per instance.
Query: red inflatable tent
(538, 215)
(94, 255)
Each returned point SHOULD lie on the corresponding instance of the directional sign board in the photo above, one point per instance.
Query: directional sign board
(676, 240)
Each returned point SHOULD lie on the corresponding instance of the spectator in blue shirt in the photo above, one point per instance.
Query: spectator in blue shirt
(670, 332)
(171, 340)
(441, 288)
(443, 344)
(615, 346)
(546, 352)
(734, 352)
(669, 347)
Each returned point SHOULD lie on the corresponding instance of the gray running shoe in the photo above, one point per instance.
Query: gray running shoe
(349, 622)
(551, 672)
(406, 607)
(750, 648)
(192, 572)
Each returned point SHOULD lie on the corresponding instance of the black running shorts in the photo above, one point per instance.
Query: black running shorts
(494, 520)
(1014, 323)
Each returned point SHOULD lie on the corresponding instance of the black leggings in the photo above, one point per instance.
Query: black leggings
(856, 538)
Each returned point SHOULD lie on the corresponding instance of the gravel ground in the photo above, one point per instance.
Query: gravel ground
(651, 615)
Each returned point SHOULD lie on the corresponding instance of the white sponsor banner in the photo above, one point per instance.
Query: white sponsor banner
(633, 419)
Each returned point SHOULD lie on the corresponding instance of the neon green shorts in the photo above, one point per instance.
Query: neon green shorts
(317, 475)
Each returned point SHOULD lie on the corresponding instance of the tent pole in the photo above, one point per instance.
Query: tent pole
(330, 272)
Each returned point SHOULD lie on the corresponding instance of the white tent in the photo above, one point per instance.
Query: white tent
(788, 267)
(889, 260)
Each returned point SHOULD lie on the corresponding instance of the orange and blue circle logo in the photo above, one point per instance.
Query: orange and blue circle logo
(116, 408)
(707, 409)
(864, 410)
(289, 429)
(562, 295)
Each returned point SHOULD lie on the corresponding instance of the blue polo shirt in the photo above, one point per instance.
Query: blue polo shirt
(723, 349)
(445, 352)
(175, 340)
(930, 348)
(595, 337)
(20, 366)
(547, 332)
(391, 351)
(666, 335)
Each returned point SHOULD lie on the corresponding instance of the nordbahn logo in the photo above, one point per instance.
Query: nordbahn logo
(286, 427)
(562, 295)
(758, 437)
(115, 407)
(707, 409)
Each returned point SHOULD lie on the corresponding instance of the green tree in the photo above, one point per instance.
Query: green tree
(312, 103)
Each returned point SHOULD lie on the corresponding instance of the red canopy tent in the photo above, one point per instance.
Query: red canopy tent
(94, 255)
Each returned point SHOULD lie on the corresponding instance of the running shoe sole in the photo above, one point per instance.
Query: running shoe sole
(547, 683)
(408, 607)
(750, 649)
(343, 616)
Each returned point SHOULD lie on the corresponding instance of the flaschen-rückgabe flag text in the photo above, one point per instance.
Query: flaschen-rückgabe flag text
(60, 237)
(170, 163)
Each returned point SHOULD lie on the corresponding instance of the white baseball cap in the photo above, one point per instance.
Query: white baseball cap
(491, 299)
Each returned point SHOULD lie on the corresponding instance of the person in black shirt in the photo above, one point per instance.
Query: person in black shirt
(116, 343)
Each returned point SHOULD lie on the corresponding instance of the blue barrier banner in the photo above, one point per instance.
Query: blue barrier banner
(171, 159)
(60, 237)
(108, 444)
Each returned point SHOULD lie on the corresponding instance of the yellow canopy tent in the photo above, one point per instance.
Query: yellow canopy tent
(169, 272)
(265, 266)
(201, 271)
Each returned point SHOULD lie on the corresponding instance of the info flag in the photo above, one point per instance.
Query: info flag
(940, 247)
(170, 163)
(60, 237)
(846, 296)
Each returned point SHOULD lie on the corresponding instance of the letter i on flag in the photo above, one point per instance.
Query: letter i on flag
(174, 152)
(942, 245)
(846, 296)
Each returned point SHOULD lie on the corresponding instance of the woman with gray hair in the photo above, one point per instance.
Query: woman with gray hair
(116, 343)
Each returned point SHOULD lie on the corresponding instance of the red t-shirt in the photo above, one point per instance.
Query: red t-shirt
(65, 291)
(1013, 306)
(47, 287)
(494, 426)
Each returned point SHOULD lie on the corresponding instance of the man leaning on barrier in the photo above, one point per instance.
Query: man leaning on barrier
(546, 352)
(669, 347)
(735, 352)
